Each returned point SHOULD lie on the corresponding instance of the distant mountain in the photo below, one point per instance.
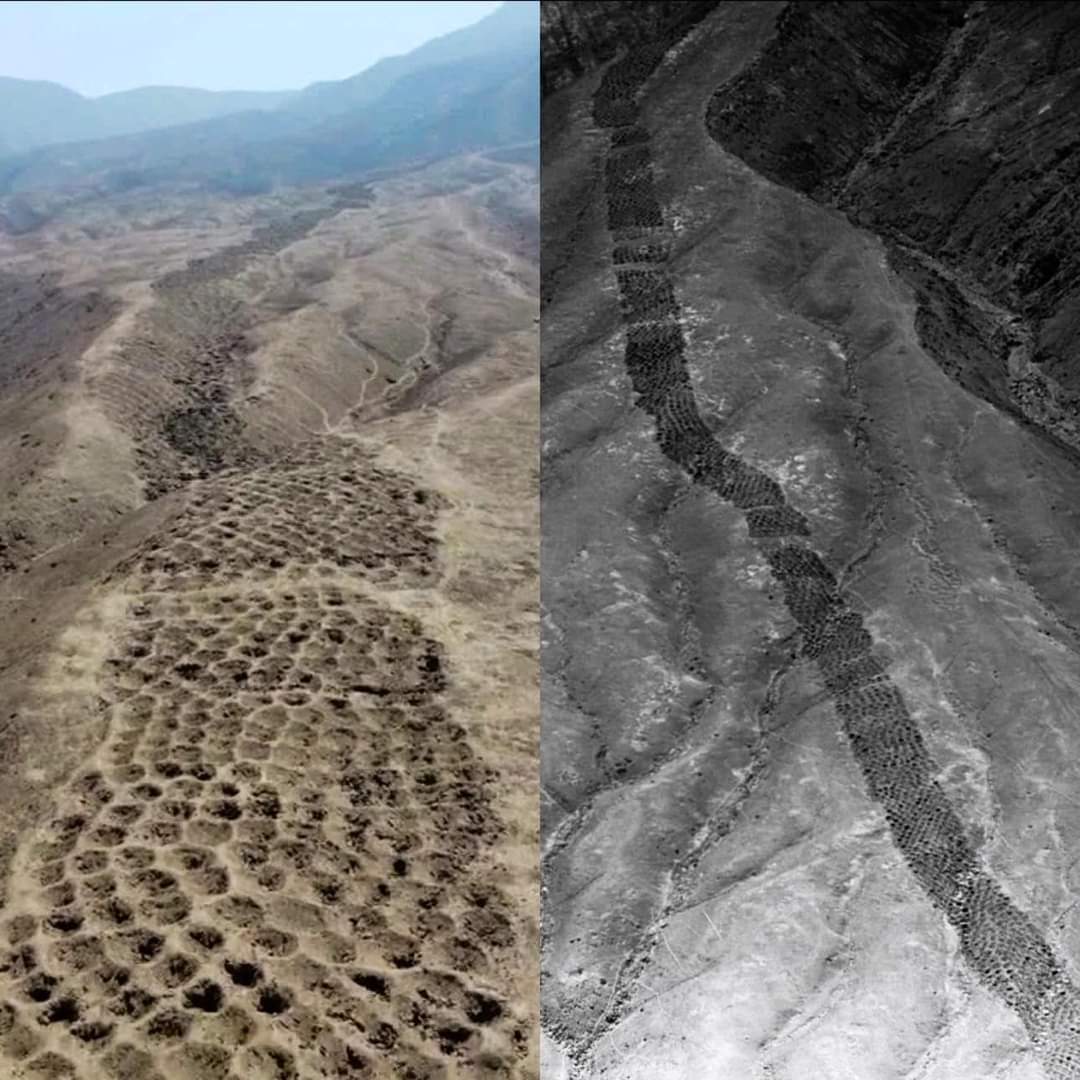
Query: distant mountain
(148, 107)
(470, 104)
(514, 27)
(39, 113)
(35, 114)
(473, 89)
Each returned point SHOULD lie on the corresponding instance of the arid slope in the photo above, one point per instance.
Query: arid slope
(809, 649)
(269, 622)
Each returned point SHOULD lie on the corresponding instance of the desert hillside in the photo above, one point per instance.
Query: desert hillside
(268, 593)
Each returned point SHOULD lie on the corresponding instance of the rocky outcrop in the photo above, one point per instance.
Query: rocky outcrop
(982, 173)
(576, 36)
(948, 129)
(829, 84)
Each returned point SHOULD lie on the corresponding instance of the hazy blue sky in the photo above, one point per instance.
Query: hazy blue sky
(97, 47)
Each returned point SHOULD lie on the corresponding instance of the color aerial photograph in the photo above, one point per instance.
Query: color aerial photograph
(269, 584)
(810, 338)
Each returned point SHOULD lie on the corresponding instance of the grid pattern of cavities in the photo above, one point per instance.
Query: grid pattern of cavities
(172, 384)
(192, 342)
(1003, 946)
(628, 178)
(324, 509)
(277, 864)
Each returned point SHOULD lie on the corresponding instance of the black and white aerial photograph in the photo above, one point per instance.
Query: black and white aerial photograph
(810, 463)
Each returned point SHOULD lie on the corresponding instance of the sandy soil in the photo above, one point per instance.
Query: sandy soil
(269, 751)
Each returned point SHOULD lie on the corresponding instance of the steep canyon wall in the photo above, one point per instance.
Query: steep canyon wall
(946, 129)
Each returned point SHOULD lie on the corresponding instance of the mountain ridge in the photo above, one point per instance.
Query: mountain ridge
(35, 114)
(481, 91)
(514, 24)
(39, 112)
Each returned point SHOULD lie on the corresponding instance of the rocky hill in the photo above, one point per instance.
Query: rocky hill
(957, 143)
(811, 609)
(575, 37)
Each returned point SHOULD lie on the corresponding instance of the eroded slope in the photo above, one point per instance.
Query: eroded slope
(966, 165)
(742, 876)
(263, 820)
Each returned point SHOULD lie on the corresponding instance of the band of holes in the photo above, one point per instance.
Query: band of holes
(998, 940)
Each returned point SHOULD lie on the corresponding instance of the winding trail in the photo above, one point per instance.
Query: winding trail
(1003, 946)
(413, 365)
(504, 270)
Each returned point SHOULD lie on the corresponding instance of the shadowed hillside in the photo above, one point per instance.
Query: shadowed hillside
(811, 605)
(960, 148)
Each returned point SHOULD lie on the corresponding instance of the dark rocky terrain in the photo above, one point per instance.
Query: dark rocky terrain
(962, 151)
(575, 37)
(809, 485)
